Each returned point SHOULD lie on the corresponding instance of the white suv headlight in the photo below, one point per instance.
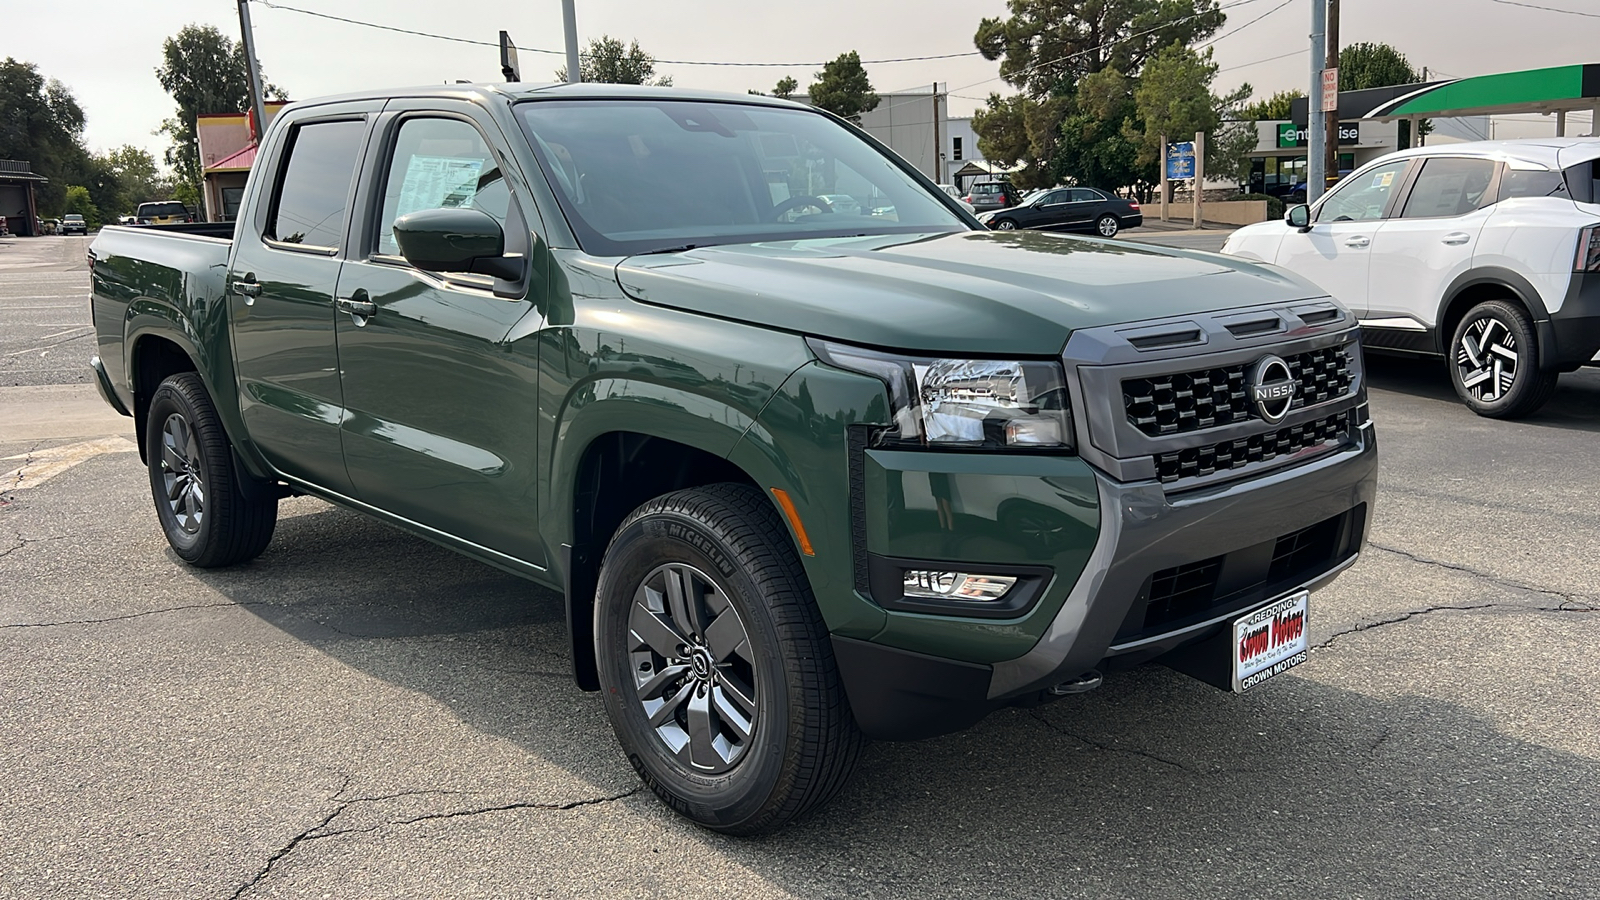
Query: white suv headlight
(966, 403)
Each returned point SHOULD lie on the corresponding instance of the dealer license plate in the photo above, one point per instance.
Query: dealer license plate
(1270, 641)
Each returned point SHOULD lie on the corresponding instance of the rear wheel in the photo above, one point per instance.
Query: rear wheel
(199, 496)
(1108, 226)
(1495, 362)
(717, 670)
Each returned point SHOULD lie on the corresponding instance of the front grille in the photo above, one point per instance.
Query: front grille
(1204, 398)
(1181, 591)
(1198, 462)
(1179, 596)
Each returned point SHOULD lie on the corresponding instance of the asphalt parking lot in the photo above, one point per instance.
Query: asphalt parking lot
(358, 713)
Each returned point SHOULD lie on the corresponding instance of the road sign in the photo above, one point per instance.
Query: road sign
(1330, 90)
(1180, 161)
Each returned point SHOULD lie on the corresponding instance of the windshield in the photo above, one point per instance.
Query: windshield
(637, 176)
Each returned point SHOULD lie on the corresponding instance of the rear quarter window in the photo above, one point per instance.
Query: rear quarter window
(1516, 183)
(1583, 181)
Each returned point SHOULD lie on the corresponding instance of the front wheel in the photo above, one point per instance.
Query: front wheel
(717, 670)
(1108, 226)
(1005, 225)
(204, 511)
(1495, 355)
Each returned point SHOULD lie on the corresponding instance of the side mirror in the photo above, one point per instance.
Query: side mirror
(1298, 216)
(456, 240)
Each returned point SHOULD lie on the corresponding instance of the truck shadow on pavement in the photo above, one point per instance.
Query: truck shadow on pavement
(1575, 406)
(1155, 785)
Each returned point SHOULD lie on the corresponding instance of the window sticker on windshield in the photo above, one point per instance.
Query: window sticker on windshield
(1383, 179)
(434, 182)
(438, 182)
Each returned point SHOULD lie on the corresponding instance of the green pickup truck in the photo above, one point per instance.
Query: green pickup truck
(806, 472)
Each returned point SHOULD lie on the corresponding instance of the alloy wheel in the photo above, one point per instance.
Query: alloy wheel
(181, 474)
(693, 668)
(1487, 358)
(1006, 225)
(1108, 227)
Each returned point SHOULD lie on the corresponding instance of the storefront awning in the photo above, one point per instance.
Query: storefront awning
(1533, 90)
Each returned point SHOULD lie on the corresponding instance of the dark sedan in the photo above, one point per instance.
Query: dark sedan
(1069, 209)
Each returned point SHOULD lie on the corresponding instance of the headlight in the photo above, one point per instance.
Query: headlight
(965, 403)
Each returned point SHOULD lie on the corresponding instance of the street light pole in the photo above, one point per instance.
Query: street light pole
(1316, 176)
(256, 101)
(569, 24)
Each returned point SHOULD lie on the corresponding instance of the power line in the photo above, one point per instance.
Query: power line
(1267, 60)
(1235, 31)
(1554, 9)
(668, 62)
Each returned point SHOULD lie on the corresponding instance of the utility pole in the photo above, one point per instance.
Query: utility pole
(256, 101)
(1332, 148)
(569, 24)
(938, 145)
(1316, 176)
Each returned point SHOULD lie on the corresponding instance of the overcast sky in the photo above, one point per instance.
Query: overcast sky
(107, 50)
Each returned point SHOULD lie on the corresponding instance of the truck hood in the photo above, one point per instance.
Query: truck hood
(979, 293)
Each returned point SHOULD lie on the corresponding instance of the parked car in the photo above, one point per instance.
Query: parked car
(955, 194)
(1485, 253)
(1069, 209)
(774, 535)
(73, 223)
(842, 204)
(163, 212)
(989, 195)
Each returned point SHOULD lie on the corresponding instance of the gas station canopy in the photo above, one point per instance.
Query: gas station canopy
(1554, 90)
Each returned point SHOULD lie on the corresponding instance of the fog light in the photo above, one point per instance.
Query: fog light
(955, 585)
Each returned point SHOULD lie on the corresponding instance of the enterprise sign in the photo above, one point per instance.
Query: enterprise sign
(1292, 135)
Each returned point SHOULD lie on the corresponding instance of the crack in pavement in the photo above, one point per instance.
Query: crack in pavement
(319, 830)
(26, 541)
(1099, 745)
(1486, 576)
(1412, 614)
(137, 615)
(17, 481)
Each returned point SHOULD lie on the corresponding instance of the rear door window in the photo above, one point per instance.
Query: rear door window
(1450, 186)
(309, 207)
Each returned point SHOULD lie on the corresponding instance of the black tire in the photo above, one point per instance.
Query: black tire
(1499, 376)
(1004, 225)
(220, 526)
(802, 741)
(1107, 226)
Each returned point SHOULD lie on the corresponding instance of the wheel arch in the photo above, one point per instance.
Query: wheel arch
(152, 358)
(612, 474)
(1476, 286)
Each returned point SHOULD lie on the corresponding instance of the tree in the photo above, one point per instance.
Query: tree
(40, 121)
(1046, 49)
(1274, 107)
(843, 89)
(1046, 46)
(1174, 99)
(1365, 65)
(607, 61)
(785, 88)
(205, 72)
(77, 201)
(1095, 144)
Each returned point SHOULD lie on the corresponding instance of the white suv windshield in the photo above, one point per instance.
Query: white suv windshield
(635, 176)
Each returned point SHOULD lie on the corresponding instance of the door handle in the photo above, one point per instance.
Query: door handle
(1357, 242)
(1457, 237)
(247, 288)
(357, 305)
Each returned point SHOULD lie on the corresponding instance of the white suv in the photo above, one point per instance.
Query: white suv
(1487, 253)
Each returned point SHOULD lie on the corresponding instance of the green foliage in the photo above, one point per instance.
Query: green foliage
(1274, 107)
(1365, 65)
(205, 72)
(785, 88)
(41, 122)
(843, 89)
(1064, 123)
(1047, 46)
(77, 201)
(608, 61)
(1275, 205)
